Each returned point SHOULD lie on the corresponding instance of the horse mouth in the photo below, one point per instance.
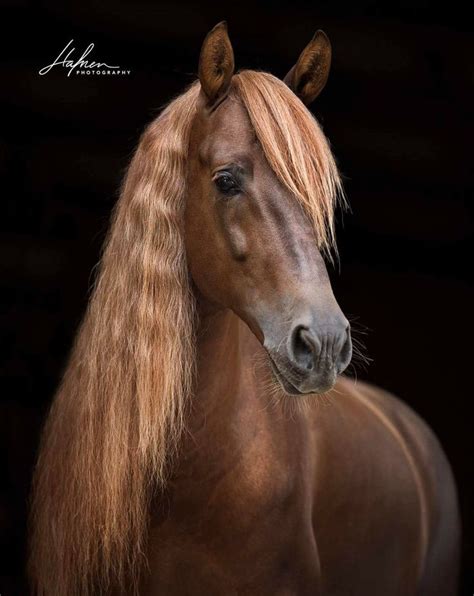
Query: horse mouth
(288, 379)
(283, 380)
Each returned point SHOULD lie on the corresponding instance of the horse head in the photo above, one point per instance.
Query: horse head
(261, 187)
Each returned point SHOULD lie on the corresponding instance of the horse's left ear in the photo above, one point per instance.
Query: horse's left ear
(309, 75)
(216, 64)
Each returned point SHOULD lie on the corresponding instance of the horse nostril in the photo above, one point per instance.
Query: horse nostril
(304, 347)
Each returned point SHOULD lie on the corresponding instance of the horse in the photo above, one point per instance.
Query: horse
(190, 448)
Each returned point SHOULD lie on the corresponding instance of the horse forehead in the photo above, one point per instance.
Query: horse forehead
(230, 127)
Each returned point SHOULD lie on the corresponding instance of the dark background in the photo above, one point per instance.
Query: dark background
(398, 109)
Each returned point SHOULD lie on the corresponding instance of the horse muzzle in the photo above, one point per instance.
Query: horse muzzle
(311, 359)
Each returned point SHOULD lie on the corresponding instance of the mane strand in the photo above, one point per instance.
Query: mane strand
(117, 416)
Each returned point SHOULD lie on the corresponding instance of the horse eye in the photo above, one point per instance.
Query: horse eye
(226, 184)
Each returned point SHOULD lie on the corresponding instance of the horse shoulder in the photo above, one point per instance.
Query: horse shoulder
(436, 487)
(368, 505)
(428, 472)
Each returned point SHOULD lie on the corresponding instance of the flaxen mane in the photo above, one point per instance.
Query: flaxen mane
(117, 418)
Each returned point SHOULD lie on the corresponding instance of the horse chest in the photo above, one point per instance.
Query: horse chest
(235, 489)
(244, 528)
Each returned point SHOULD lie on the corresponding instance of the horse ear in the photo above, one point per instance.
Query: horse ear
(216, 64)
(309, 75)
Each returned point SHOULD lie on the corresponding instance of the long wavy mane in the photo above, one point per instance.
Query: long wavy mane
(116, 420)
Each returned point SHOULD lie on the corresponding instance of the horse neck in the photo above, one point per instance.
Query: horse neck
(225, 349)
(226, 404)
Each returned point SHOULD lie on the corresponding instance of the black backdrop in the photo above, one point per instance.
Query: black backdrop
(398, 111)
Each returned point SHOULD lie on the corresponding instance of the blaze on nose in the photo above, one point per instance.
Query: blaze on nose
(317, 353)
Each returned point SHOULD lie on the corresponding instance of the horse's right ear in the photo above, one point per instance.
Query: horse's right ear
(216, 64)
